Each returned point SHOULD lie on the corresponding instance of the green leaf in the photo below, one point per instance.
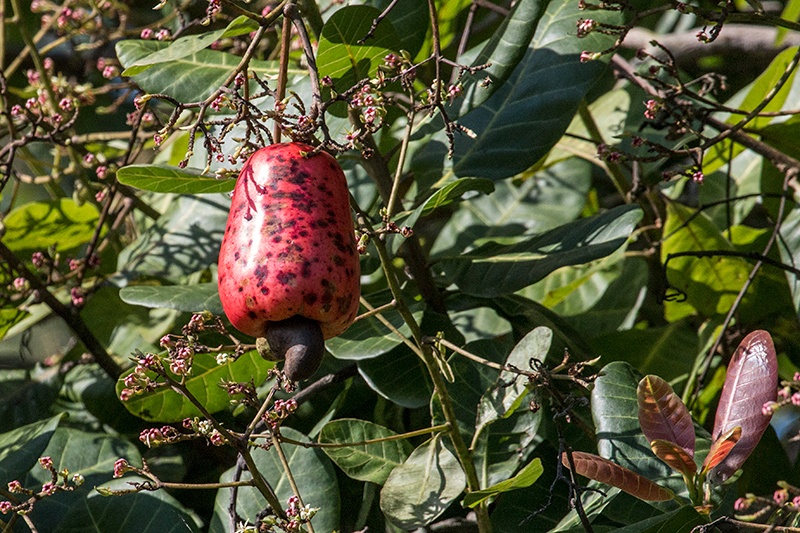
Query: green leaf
(529, 113)
(186, 46)
(364, 462)
(453, 192)
(368, 337)
(36, 226)
(9, 317)
(507, 394)
(27, 395)
(789, 246)
(190, 79)
(682, 520)
(503, 53)
(495, 269)
(164, 179)
(90, 454)
(525, 478)
(187, 298)
(22, 447)
(184, 240)
(166, 405)
(411, 21)
(711, 284)
(143, 512)
(341, 57)
(420, 489)
(316, 483)
(399, 376)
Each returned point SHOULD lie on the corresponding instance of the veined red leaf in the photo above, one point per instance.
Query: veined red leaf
(600, 469)
(720, 448)
(675, 456)
(751, 381)
(662, 414)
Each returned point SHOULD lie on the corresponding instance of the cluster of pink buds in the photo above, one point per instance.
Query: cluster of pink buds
(157, 436)
(138, 381)
(204, 428)
(67, 483)
(281, 409)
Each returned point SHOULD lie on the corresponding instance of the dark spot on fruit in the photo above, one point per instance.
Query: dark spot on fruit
(264, 291)
(261, 272)
(277, 238)
(344, 302)
(286, 278)
(250, 301)
(306, 271)
(338, 260)
(241, 289)
(252, 314)
(310, 298)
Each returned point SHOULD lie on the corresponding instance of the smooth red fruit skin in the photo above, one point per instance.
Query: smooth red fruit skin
(289, 246)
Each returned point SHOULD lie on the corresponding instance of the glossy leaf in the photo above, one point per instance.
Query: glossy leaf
(166, 405)
(411, 20)
(675, 456)
(524, 478)
(313, 472)
(420, 489)
(399, 376)
(164, 179)
(22, 447)
(610, 473)
(789, 246)
(721, 448)
(452, 192)
(340, 54)
(541, 96)
(10, 317)
(495, 269)
(35, 226)
(751, 381)
(364, 462)
(192, 78)
(507, 394)
(663, 416)
(188, 45)
(187, 298)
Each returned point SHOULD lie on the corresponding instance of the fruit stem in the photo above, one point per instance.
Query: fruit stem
(426, 354)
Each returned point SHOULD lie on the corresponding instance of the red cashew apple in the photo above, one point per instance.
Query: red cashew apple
(288, 267)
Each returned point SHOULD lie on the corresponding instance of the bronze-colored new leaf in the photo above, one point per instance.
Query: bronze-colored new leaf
(720, 448)
(610, 473)
(675, 456)
(662, 414)
(751, 381)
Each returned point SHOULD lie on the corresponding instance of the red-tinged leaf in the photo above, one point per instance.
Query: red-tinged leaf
(751, 381)
(605, 471)
(720, 448)
(662, 414)
(675, 456)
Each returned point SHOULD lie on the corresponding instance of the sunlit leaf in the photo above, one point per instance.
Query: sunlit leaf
(751, 381)
(35, 226)
(420, 489)
(364, 462)
(721, 448)
(610, 473)
(164, 179)
(675, 456)
(663, 416)
(524, 478)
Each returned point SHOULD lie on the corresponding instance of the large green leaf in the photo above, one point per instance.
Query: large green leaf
(420, 489)
(505, 444)
(342, 57)
(9, 318)
(789, 246)
(184, 240)
(365, 462)
(164, 178)
(399, 376)
(36, 226)
(411, 21)
(503, 53)
(711, 284)
(90, 454)
(143, 512)
(682, 520)
(188, 45)
(26, 396)
(528, 114)
(166, 405)
(525, 478)
(495, 269)
(313, 472)
(22, 447)
(187, 298)
(191, 78)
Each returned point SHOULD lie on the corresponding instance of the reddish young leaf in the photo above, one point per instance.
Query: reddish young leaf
(675, 456)
(605, 471)
(662, 414)
(751, 381)
(721, 448)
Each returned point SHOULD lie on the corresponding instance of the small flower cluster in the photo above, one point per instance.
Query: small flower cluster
(157, 436)
(247, 391)
(371, 104)
(205, 429)
(447, 92)
(139, 381)
(59, 482)
(281, 410)
(789, 393)
(752, 508)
